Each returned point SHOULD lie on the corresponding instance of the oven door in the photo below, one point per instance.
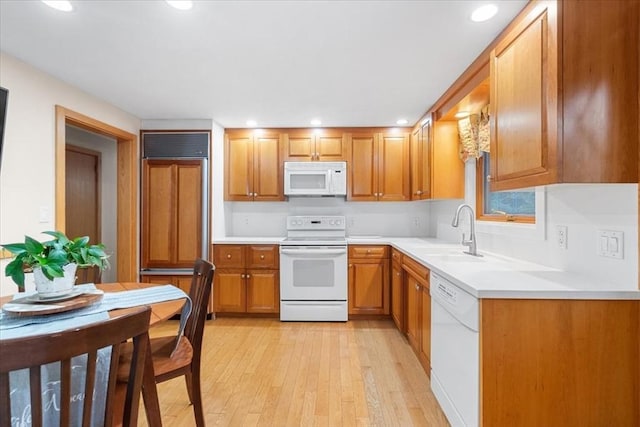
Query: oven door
(313, 273)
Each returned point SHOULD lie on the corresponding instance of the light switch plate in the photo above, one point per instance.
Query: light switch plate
(611, 244)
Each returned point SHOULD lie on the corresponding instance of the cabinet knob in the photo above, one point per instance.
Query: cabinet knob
(350, 265)
(242, 276)
(397, 273)
(261, 256)
(248, 276)
(249, 194)
(418, 193)
(255, 194)
(417, 287)
(488, 178)
(228, 256)
(368, 251)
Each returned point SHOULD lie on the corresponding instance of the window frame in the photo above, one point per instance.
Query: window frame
(480, 189)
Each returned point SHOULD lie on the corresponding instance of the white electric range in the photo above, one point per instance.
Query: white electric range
(313, 269)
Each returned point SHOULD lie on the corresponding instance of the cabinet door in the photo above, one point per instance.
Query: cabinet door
(238, 176)
(263, 291)
(172, 213)
(230, 291)
(425, 328)
(413, 314)
(363, 170)
(600, 90)
(369, 287)
(300, 146)
(524, 104)
(331, 147)
(421, 162)
(393, 167)
(157, 213)
(416, 164)
(397, 296)
(267, 168)
(188, 213)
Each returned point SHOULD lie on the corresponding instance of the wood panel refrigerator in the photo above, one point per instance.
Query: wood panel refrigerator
(175, 205)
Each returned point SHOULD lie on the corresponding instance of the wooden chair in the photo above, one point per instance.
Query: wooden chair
(185, 360)
(35, 351)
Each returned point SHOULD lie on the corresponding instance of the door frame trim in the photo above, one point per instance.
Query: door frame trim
(127, 185)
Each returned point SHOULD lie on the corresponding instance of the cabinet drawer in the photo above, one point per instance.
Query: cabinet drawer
(396, 255)
(416, 269)
(228, 256)
(361, 251)
(262, 256)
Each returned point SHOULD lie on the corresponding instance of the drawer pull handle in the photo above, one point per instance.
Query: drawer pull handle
(261, 256)
(228, 256)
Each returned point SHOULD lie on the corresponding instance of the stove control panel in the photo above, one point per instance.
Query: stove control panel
(316, 223)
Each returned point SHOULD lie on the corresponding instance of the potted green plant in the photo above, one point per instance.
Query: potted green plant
(53, 262)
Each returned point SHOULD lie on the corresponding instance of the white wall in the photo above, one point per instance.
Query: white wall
(108, 190)
(27, 174)
(583, 208)
(267, 219)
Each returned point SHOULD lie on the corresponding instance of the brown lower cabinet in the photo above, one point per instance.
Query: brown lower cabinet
(368, 279)
(247, 279)
(541, 362)
(418, 310)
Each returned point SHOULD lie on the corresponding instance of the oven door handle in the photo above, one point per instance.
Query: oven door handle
(313, 251)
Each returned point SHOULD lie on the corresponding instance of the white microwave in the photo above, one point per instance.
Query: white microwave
(315, 178)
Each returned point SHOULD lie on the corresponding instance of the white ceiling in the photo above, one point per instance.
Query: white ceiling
(282, 63)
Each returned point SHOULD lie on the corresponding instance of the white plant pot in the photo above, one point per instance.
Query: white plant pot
(59, 285)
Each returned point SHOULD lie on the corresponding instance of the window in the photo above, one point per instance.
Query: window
(513, 206)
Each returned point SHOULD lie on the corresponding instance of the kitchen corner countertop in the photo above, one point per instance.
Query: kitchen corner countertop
(497, 276)
(489, 276)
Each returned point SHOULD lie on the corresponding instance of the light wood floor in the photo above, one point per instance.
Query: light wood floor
(265, 372)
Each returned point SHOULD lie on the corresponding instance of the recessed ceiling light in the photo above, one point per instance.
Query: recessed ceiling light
(484, 13)
(402, 122)
(252, 123)
(181, 4)
(316, 122)
(462, 114)
(62, 5)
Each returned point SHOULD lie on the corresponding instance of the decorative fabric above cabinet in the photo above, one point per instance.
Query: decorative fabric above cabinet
(473, 133)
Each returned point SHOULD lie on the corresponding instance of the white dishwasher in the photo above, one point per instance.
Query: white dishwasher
(455, 345)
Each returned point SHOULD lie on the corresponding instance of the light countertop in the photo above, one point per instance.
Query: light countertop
(492, 275)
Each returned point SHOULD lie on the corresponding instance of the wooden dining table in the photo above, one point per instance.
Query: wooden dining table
(160, 312)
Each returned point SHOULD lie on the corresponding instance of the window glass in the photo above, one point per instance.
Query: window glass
(518, 205)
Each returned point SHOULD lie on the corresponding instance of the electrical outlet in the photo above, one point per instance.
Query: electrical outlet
(562, 234)
(44, 214)
(416, 221)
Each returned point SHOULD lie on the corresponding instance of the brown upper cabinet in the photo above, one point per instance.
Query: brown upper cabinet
(564, 95)
(378, 166)
(253, 165)
(421, 160)
(308, 145)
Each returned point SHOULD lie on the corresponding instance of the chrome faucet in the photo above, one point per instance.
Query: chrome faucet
(471, 243)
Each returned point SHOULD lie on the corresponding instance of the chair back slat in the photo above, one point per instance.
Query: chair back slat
(90, 382)
(62, 347)
(200, 293)
(35, 386)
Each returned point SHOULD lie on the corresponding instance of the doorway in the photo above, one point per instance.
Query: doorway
(126, 247)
